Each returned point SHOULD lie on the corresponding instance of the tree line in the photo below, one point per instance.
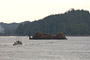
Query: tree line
(72, 22)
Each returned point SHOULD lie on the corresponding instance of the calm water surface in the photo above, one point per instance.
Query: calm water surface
(75, 48)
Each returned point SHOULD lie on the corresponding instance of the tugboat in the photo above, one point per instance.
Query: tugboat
(17, 43)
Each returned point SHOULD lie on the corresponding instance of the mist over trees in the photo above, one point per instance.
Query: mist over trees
(1, 29)
(8, 29)
(72, 22)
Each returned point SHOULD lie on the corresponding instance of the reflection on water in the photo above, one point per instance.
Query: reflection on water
(75, 48)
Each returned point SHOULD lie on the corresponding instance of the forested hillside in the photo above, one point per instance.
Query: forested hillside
(8, 29)
(72, 22)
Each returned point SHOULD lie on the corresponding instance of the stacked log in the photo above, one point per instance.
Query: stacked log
(39, 35)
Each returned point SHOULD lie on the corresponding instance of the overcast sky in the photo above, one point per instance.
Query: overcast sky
(23, 10)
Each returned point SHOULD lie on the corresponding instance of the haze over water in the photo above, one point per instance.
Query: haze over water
(75, 48)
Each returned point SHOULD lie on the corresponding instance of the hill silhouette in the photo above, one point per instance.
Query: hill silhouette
(72, 22)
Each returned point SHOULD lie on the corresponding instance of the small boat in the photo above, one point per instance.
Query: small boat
(17, 43)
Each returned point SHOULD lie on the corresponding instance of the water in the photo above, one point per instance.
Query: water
(75, 48)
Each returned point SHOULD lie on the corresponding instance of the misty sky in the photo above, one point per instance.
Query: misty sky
(23, 10)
